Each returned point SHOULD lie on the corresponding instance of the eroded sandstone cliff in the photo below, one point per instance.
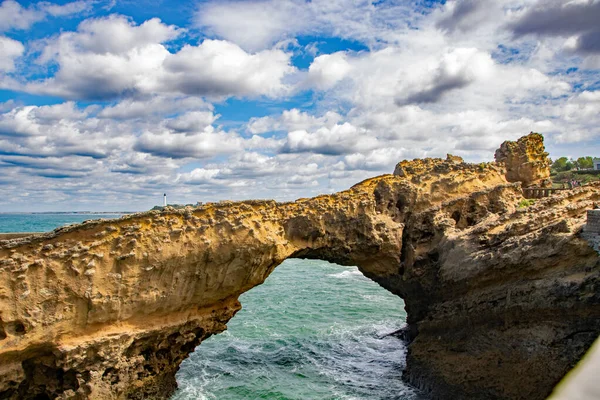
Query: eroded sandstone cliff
(502, 301)
(526, 160)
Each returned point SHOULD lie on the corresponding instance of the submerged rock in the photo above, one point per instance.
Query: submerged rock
(502, 301)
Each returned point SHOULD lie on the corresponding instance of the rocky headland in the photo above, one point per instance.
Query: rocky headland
(502, 299)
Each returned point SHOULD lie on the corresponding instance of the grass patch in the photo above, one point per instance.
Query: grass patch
(526, 203)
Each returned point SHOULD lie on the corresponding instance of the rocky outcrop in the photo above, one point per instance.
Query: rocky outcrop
(502, 301)
(526, 160)
(16, 235)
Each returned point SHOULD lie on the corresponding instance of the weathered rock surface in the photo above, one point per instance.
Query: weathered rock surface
(502, 301)
(526, 160)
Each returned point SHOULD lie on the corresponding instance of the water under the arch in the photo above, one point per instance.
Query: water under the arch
(313, 330)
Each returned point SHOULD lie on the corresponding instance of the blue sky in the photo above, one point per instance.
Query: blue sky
(105, 105)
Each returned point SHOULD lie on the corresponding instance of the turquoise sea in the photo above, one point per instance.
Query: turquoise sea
(45, 222)
(313, 330)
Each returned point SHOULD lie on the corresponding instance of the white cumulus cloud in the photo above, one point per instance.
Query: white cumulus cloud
(112, 57)
(9, 50)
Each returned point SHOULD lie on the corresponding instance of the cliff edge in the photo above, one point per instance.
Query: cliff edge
(502, 300)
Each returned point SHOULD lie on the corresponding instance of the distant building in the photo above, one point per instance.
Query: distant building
(165, 200)
(596, 162)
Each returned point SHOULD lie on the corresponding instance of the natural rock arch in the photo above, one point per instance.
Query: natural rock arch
(495, 294)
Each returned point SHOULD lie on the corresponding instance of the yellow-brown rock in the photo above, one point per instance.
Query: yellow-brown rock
(502, 301)
(526, 160)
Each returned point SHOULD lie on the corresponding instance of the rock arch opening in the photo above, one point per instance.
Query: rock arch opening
(312, 330)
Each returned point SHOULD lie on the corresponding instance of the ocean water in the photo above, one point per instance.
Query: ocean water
(313, 330)
(28, 222)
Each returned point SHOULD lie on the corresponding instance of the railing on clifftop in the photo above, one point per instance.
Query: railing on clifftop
(538, 192)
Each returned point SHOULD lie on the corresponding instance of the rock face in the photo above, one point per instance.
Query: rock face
(526, 160)
(502, 301)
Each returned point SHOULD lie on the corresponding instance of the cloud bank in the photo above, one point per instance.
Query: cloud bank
(279, 99)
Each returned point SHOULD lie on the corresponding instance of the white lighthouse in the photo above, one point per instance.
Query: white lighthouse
(164, 200)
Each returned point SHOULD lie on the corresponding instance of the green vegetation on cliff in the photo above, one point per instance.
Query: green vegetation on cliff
(567, 164)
